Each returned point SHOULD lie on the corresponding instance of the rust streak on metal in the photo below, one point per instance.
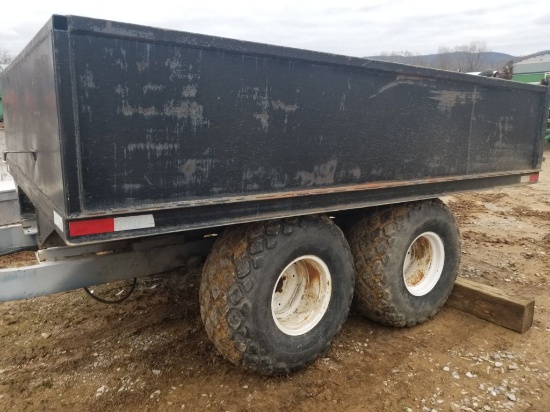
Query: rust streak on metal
(381, 185)
(329, 190)
(412, 78)
(420, 252)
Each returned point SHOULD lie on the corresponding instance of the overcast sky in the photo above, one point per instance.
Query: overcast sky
(355, 28)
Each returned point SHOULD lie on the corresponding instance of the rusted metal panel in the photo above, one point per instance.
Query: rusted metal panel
(150, 119)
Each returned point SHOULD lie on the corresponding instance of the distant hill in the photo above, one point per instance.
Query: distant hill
(532, 55)
(492, 59)
(450, 61)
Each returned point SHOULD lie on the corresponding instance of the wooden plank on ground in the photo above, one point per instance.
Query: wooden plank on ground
(492, 304)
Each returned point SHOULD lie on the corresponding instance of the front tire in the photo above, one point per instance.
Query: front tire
(406, 258)
(274, 294)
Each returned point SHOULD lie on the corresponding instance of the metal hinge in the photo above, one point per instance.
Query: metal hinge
(30, 226)
(6, 152)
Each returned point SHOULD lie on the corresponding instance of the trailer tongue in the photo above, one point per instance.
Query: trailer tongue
(119, 133)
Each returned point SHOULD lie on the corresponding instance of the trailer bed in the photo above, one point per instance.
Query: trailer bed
(169, 131)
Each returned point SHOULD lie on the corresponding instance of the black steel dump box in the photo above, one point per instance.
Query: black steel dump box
(116, 130)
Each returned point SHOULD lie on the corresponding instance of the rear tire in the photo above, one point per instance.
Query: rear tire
(406, 259)
(274, 294)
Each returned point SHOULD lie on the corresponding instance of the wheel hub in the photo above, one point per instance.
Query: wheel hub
(424, 263)
(301, 295)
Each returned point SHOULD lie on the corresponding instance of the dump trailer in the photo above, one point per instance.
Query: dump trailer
(304, 177)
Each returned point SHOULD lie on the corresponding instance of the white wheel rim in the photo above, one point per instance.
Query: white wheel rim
(301, 295)
(424, 263)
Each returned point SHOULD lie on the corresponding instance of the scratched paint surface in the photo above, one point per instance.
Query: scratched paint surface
(168, 117)
(163, 122)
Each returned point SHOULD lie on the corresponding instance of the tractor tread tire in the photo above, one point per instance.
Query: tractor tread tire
(372, 242)
(230, 276)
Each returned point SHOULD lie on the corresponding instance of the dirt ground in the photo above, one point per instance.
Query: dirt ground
(68, 352)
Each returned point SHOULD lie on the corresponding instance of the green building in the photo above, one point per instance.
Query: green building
(532, 70)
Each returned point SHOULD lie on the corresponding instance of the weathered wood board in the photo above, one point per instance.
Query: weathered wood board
(493, 304)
